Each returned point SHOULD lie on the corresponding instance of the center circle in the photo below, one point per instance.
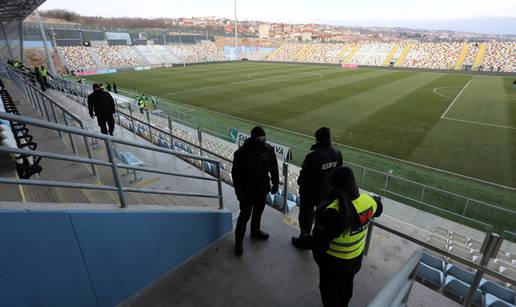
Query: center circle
(293, 77)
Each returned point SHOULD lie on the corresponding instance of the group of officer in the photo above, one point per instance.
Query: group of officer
(329, 198)
(144, 103)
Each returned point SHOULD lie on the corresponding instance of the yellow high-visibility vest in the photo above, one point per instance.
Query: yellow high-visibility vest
(351, 244)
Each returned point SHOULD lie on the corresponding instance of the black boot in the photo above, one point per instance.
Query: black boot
(239, 249)
(259, 235)
(301, 242)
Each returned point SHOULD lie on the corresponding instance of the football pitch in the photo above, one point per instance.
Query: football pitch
(455, 131)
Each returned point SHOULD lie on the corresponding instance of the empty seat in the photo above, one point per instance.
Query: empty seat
(433, 261)
(489, 287)
(461, 252)
(459, 290)
(429, 275)
(441, 231)
(493, 301)
(460, 273)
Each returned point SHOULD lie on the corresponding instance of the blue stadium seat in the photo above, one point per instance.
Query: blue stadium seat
(493, 301)
(460, 273)
(433, 262)
(269, 198)
(291, 196)
(459, 290)
(278, 201)
(430, 275)
(505, 294)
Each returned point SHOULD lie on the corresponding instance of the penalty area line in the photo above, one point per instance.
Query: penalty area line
(456, 98)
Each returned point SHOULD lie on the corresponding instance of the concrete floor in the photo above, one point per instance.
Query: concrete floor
(274, 273)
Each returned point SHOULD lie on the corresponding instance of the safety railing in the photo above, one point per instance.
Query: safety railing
(395, 290)
(437, 201)
(49, 109)
(109, 141)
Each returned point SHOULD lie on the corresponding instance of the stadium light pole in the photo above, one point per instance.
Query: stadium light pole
(236, 31)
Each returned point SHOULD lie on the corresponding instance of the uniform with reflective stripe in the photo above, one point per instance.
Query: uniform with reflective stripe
(351, 243)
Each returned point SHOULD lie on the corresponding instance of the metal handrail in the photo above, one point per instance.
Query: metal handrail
(445, 253)
(397, 288)
(109, 140)
(468, 200)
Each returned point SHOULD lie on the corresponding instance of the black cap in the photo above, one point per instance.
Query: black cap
(257, 132)
(322, 135)
(96, 86)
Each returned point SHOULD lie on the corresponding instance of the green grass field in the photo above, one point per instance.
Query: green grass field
(433, 128)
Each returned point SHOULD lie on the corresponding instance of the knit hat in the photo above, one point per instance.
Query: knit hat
(257, 132)
(322, 135)
(343, 178)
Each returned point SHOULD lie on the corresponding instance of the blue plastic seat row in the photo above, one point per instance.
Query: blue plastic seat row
(457, 282)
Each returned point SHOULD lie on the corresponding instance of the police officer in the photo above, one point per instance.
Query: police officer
(339, 236)
(102, 105)
(44, 74)
(252, 165)
(141, 103)
(314, 181)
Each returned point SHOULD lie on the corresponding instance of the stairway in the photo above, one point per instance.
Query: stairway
(391, 54)
(343, 53)
(480, 55)
(95, 57)
(352, 53)
(404, 54)
(302, 53)
(462, 56)
(273, 54)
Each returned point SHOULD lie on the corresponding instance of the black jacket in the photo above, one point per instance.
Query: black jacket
(317, 168)
(101, 104)
(252, 164)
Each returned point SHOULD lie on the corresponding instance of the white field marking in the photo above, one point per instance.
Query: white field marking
(225, 84)
(354, 148)
(279, 78)
(456, 98)
(436, 91)
(479, 123)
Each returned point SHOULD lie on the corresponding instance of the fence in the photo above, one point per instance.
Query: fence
(43, 103)
(463, 209)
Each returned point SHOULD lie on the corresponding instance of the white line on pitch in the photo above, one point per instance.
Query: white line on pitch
(226, 84)
(354, 148)
(479, 123)
(456, 98)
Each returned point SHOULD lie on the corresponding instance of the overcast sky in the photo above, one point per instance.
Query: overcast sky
(345, 12)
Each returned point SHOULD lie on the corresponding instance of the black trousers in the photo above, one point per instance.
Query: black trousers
(306, 214)
(250, 208)
(110, 121)
(336, 278)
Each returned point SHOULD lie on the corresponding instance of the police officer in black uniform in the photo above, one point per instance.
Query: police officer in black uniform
(254, 168)
(102, 105)
(314, 181)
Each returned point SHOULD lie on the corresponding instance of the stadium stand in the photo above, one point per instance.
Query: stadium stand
(77, 58)
(373, 54)
(205, 51)
(433, 55)
(118, 56)
(500, 56)
(147, 52)
(325, 53)
(285, 53)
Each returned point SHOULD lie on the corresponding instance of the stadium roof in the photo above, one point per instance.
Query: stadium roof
(17, 9)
